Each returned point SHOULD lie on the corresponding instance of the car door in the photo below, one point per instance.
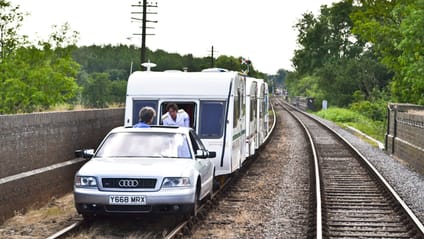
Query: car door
(204, 166)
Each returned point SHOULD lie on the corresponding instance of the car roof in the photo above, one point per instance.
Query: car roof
(154, 128)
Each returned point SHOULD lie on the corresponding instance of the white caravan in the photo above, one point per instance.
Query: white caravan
(262, 112)
(251, 116)
(213, 100)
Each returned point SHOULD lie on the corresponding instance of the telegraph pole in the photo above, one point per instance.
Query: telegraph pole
(144, 6)
(212, 63)
(212, 57)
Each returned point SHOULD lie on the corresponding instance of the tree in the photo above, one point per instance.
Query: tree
(118, 91)
(166, 61)
(228, 62)
(307, 58)
(340, 62)
(10, 22)
(304, 86)
(409, 85)
(36, 77)
(191, 63)
(375, 22)
(116, 60)
(395, 30)
(97, 90)
(337, 83)
(280, 77)
(326, 38)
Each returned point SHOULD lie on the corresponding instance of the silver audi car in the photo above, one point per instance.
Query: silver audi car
(143, 170)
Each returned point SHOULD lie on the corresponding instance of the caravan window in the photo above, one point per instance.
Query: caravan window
(138, 104)
(236, 115)
(253, 108)
(212, 120)
(189, 107)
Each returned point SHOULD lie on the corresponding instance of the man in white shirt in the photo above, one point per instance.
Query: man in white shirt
(175, 117)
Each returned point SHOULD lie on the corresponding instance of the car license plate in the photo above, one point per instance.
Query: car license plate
(127, 200)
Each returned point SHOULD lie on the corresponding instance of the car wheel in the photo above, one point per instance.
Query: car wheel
(216, 183)
(214, 186)
(195, 206)
(196, 202)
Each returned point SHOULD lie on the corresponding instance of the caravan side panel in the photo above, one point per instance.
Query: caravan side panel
(261, 112)
(238, 125)
(251, 116)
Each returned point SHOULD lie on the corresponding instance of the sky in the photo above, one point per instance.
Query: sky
(261, 31)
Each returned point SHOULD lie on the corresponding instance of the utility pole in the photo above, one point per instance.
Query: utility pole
(212, 57)
(212, 63)
(144, 6)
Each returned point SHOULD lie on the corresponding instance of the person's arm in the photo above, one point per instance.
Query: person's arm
(186, 120)
(164, 119)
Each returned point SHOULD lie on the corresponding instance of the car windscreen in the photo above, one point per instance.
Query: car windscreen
(146, 145)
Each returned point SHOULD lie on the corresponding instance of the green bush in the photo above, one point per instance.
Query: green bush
(372, 110)
(343, 117)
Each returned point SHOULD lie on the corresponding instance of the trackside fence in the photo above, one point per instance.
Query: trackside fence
(405, 134)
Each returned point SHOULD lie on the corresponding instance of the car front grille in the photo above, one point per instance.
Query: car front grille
(146, 183)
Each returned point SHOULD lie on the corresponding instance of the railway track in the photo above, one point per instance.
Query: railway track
(173, 228)
(352, 200)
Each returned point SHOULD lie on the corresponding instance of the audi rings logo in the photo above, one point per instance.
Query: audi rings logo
(128, 183)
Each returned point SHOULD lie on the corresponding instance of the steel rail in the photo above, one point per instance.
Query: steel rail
(183, 224)
(66, 230)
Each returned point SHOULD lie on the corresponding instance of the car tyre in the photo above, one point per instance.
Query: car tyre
(195, 206)
(214, 185)
(196, 203)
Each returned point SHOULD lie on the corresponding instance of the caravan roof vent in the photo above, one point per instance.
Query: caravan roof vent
(148, 65)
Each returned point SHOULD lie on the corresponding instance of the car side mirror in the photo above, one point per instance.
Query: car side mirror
(201, 154)
(212, 154)
(84, 153)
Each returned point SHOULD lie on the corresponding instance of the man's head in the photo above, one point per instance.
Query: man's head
(172, 109)
(147, 114)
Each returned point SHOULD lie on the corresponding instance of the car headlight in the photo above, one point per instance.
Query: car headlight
(85, 181)
(176, 182)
